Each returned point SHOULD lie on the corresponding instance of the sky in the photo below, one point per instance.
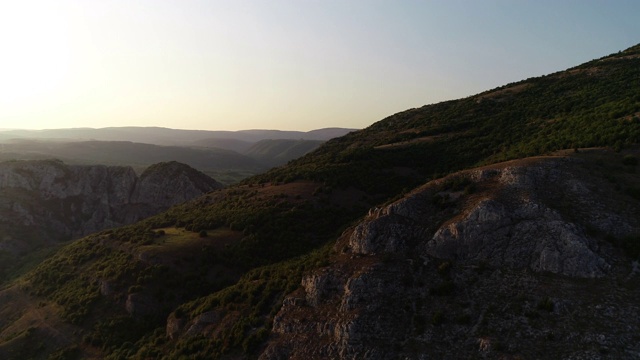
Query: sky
(281, 64)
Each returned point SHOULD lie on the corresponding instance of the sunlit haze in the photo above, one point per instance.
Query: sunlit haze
(299, 65)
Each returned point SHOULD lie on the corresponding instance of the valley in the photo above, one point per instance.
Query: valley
(224, 155)
(501, 225)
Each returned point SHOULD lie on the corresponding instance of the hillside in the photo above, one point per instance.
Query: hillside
(45, 202)
(291, 257)
(279, 152)
(171, 137)
(227, 159)
(236, 145)
(525, 259)
(226, 165)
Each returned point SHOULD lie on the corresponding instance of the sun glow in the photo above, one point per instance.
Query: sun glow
(203, 64)
(36, 53)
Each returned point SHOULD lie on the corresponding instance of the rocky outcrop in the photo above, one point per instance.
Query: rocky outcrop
(49, 200)
(171, 183)
(210, 323)
(523, 235)
(141, 304)
(518, 222)
(500, 261)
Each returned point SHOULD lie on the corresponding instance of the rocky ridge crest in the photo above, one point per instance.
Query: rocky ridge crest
(422, 276)
(62, 201)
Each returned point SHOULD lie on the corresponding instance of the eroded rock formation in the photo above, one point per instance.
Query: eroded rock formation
(49, 200)
(498, 261)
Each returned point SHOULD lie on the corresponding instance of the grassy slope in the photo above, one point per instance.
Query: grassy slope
(286, 216)
(278, 152)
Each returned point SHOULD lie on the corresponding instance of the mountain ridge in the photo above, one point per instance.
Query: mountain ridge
(277, 235)
(167, 136)
(227, 159)
(499, 227)
(44, 202)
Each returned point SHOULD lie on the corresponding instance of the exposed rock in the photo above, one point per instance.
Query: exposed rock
(510, 264)
(140, 304)
(105, 287)
(386, 234)
(210, 323)
(202, 321)
(49, 200)
(174, 326)
(184, 182)
(529, 235)
(512, 226)
(320, 286)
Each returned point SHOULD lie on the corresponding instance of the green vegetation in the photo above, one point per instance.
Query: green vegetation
(596, 104)
(262, 235)
(252, 302)
(278, 152)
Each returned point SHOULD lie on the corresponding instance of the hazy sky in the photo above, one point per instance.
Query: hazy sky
(295, 64)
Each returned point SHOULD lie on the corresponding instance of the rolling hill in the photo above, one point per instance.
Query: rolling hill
(279, 152)
(45, 203)
(229, 160)
(171, 137)
(431, 233)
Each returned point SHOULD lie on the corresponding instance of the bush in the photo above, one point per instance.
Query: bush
(546, 304)
(444, 268)
(437, 318)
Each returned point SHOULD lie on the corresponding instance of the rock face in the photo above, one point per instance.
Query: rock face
(496, 262)
(517, 223)
(139, 304)
(49, 200)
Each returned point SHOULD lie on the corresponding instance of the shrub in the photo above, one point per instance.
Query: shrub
(444, 268)
(546, 304)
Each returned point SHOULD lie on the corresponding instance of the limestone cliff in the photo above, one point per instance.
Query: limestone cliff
(497, 262)
(44, 201)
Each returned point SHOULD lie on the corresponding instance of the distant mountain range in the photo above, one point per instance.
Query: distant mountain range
(504, 225)
(227, 156)
(166, 136)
